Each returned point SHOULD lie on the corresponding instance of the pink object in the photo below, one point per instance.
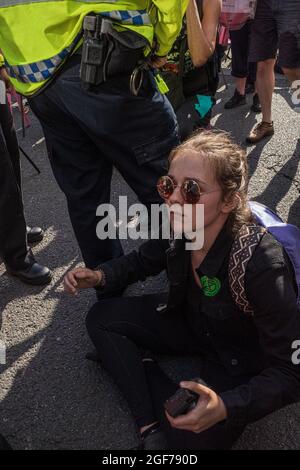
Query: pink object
(235, 13)
(223, 36)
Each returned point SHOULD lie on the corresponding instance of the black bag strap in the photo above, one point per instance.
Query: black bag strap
(212, 66)
(182, 52)
(184, 43)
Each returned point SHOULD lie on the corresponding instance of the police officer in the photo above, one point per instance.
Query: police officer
(14, 234)
(91, 129)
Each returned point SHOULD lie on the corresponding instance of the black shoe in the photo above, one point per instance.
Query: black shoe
(4, 445)
(35, 234)
(256, 106)
(148, 356)
(278, 69)
(156, 440)
(236, 100)
(35, 274)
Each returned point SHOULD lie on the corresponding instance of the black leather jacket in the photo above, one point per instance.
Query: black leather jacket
(259, 347)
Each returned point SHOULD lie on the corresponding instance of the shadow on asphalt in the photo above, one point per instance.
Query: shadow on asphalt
(280, 185)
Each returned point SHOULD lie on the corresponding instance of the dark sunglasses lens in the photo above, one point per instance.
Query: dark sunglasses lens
(191, 191)
(165, 187)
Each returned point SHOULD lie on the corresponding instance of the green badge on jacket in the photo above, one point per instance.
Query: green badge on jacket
(210, 286)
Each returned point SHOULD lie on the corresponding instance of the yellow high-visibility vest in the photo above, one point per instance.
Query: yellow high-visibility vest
(36, 36)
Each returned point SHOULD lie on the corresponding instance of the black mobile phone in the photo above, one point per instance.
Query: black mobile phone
(182, 401)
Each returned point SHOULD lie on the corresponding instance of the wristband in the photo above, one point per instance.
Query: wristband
(101, 282)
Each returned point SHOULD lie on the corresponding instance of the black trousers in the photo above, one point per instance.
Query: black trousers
(89, 133)
(240, 46)
(121, 329)
(13, 241)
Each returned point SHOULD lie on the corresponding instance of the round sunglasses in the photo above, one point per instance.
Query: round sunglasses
(190, 189)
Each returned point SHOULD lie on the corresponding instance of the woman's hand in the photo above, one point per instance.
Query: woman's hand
(209, 410)
(81, 278)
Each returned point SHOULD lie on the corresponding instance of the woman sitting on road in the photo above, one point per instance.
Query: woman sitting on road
(245, 360)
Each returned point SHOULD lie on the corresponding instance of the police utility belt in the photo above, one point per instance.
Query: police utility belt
(107, 53)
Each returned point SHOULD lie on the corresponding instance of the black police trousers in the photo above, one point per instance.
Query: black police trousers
(88, 133)
(13, 241)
